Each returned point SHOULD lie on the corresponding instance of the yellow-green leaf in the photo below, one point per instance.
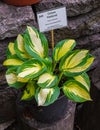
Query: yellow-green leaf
(29, 92)
(75, 91)
(74, 59)
(76, 63)
(20, 48)
(23, 80)
(62, 48)
(11, 48)
(84, 80)
(12, 62)
(83, 67)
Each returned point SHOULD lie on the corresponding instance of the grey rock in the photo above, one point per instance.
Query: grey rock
(8, 103)
(13, 20)
(2, 79)
(96, 54)
(92, 43)
(83, 25)
(5, 125)
(77, 7)
(74, 7)
(3, 48)
(89, 42)
(96, 76)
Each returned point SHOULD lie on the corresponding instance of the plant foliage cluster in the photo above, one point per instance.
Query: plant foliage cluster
(44, 76)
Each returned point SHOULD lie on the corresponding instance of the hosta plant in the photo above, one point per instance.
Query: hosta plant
(45, 77)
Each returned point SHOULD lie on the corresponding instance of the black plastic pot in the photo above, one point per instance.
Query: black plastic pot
(47, 114)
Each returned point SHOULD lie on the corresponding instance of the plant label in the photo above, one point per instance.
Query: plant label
(52, 19)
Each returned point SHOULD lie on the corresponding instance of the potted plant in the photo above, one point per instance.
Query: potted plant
(46, 79)
(21, 3)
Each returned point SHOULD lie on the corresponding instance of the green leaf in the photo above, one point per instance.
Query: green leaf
(75, 91)
(12, 79)
(20, 48)
(46, 96)
(47, 80)
(48, 63)
(44, 43)
(84, 80)
(29, 92)
(62, 48)
(31, 69)
(75, 63)
(35, 43)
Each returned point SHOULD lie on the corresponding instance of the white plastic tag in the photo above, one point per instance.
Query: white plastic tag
(52, 19)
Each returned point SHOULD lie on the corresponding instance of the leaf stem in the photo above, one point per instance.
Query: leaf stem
(60, 76)
(54, 65)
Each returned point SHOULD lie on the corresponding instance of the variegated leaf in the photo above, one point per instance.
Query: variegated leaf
(29, 92)
(62, 48)
(31, 69)
(84, 80)
(12, 80)
(47, 96)
(47, 80)
(76, 63)
(19, 47)
(35, 43)
(75, 91)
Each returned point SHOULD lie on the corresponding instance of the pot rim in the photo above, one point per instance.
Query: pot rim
(24, 3)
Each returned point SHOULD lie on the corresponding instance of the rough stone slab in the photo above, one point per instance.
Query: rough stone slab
(82, 25)
(3, 47)
(11, 25)
(7, 103)
(74, 7)
(5, 125)
(13, 20)
(2, 79)
(89, 42)
(64, 124)
(96, 76)
(77, 7)
(96, 53)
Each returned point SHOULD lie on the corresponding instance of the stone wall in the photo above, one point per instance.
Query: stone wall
(83, 25)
